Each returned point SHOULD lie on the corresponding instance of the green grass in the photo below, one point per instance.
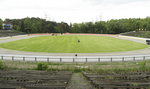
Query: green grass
(101, 67)
(69, 44)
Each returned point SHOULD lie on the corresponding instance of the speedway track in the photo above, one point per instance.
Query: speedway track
(69, 57)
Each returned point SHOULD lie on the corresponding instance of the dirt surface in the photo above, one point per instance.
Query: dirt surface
(78, 81)
(74, 34)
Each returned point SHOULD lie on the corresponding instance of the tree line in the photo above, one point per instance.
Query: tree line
(114, 26)
(37, 25)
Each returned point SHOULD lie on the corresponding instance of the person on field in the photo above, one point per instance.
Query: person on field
(78, 41)
(76, 55)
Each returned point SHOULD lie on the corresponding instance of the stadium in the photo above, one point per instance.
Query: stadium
(71, 52)
(74, 44)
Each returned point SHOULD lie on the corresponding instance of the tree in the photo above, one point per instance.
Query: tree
(38, 25)
(100, 27)
(1, 23)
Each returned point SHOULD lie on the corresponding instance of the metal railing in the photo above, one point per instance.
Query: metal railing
(74, 59)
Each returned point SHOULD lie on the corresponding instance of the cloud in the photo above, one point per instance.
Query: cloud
(99, 2)
(74, 10)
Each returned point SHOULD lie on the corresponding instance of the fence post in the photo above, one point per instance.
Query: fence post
(99, 60)
(12, 58)
(86, 60)
(60, 60)
(47, 59)
(2, 57)
(23, 58)
(133, 58)
(143, 57)
(111, 59)
(73, 60)
(35, 59)
(122, 59)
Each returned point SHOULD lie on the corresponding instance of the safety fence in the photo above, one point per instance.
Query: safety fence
(74, 59)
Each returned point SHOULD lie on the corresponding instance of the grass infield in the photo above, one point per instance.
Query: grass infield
(73, 44)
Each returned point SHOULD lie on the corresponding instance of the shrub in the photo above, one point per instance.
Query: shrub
(2, 66)
(143, 65)
(42, 66)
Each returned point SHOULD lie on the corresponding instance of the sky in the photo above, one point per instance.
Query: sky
(75, 11)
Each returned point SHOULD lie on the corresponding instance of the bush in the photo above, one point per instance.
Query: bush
(42, 66)
(2, 66)
(143, 65)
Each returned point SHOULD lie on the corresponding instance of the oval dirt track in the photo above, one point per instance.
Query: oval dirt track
(142, 52)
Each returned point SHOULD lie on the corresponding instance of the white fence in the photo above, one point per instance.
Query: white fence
(74, 59)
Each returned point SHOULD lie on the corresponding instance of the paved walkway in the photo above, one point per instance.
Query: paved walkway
(78, 81)
(131, 38)
(14, 38)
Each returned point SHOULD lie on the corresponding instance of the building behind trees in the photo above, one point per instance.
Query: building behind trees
(7, 26)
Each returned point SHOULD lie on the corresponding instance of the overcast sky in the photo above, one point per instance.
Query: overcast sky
(75, 11)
